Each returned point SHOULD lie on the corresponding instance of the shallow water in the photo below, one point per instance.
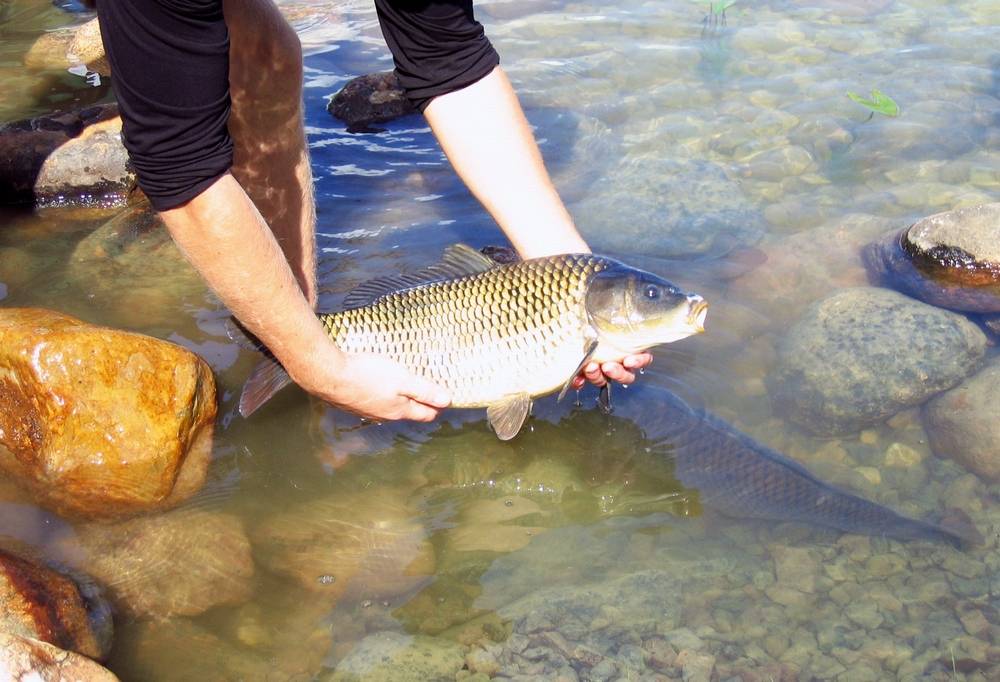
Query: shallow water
(690, 146)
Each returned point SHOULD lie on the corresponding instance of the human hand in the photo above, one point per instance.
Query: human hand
(623, 372)
(376, 388)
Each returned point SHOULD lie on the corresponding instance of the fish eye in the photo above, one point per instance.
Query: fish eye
(652, 292)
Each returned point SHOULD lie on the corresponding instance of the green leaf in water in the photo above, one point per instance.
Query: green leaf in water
(880, 102)
(718, 6)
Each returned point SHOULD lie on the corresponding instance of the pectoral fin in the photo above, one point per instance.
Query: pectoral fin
(507, 417)
(588, 353)
(267, 378)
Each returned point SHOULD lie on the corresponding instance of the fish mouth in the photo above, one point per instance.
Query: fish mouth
(696, 314)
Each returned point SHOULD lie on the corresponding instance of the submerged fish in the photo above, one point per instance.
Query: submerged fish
(740, 477)
(498, 336)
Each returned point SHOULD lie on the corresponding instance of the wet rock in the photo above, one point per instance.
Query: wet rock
(180, 563)
(133, 273)
(29, 660)
(359, 545)
(949, 259)
(372, 98)
(841, 367)
(39, 603)
(181, 649)
(101, 423)
(402, 658)
(675, 209)
(963, 424)
(74, 157)
(69, 47)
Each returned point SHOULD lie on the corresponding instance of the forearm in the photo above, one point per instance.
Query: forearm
(270, 157)
(224, 236)
(485, 135)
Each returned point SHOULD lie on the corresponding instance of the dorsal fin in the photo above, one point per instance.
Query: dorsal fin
(458, 260)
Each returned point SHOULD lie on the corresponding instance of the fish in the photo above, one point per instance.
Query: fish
(501, 335)
(741, 477)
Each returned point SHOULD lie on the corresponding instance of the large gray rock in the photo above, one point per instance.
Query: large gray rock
(863, 354)
(74, 157)
(964, 423)
(949, 259)
(674, 209)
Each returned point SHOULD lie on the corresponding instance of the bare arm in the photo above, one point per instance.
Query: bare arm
(223, 235)
(485, 135)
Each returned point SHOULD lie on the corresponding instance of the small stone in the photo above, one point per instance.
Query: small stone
(902, 456)
(696, 667)
(788, 597)
(659, 654)
(974, 622)
(869, 437)
(884, 565)
(871, 474)
(482, 661)
(934, 591)
(775, 645)
(865, 614)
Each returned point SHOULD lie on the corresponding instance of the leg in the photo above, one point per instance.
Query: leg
(270, 159)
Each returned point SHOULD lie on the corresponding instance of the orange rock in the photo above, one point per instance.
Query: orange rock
(40, 603)
(24, 658)
(181, 563)
(101, 423)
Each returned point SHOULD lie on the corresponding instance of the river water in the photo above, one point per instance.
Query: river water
(720, 151)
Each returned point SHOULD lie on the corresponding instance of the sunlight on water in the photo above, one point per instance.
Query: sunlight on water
(723, 155)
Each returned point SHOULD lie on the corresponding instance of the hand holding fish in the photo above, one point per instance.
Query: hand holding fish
(622, 372)
(390, 390)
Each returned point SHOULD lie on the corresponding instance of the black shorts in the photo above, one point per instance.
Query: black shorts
(170, 71)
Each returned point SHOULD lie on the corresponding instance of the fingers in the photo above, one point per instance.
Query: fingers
(419, 412)
(592, 373)
(623, 372)
(426, 392)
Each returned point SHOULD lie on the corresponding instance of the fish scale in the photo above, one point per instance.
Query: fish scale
(517, 327)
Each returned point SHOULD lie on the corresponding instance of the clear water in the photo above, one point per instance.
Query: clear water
(683, 143)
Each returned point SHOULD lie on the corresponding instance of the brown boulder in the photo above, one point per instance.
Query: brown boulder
(97, 422)
(39, 603)
(372, 98)
(181, 563)
(364, 545)
(24, 659)
(74, 157)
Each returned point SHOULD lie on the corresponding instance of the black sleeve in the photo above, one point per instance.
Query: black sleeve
(438, 47)
(170, 72)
